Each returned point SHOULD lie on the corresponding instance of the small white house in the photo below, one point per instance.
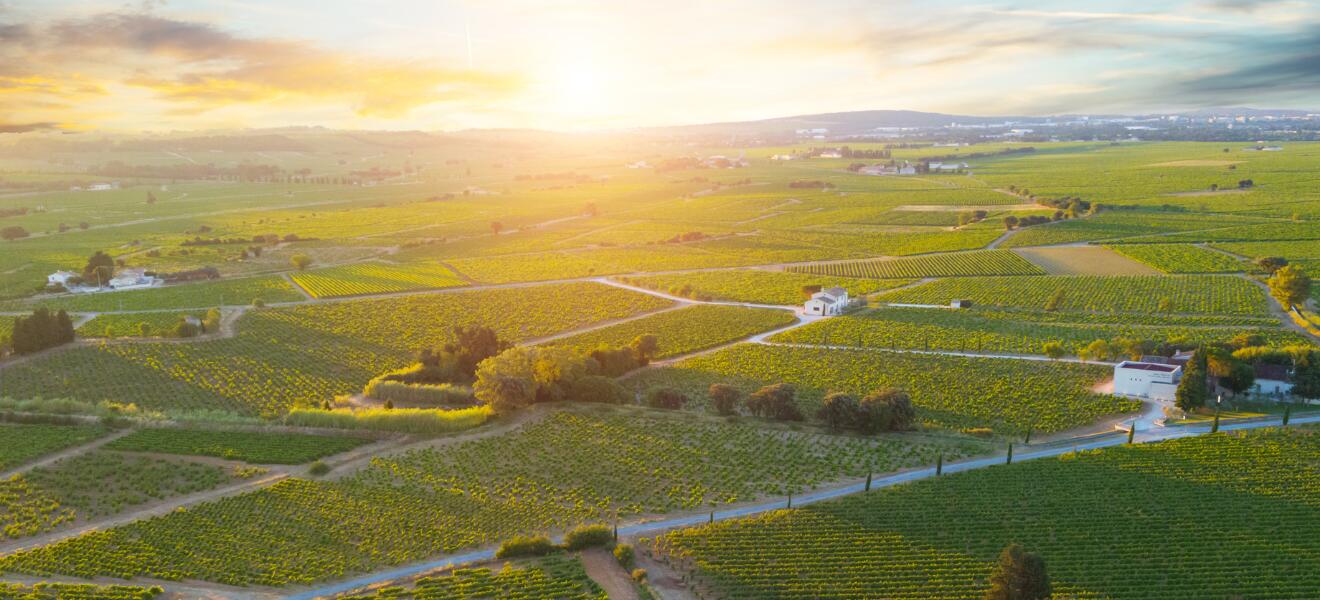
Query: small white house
(130, 279)
(1272, 380)
(827, 303)
(101, 187)
(60, 278)
(1147, 380)
(831, 154)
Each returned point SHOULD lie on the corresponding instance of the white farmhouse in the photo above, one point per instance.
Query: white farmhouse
(60, 278)
(1272, 380)
(131, 278)
(828, 302)
(1147, 380)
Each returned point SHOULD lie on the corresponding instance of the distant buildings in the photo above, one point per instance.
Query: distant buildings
(125, 279)
(827, 303)
(1155, 381)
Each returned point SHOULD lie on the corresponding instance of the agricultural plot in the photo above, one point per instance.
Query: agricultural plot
(761, 287)
(1201, 294)
(1008, 396)
(150, 324)
(1262, 232)
(20, 443)
(95, 484)
(531, 267)
(939, 537)
(375, 278)
(247, 446)
(1083, 260)
(305, 355)
(685, 330)
(1110, 225)
(1295, 251)
(225, 292)
(1181, 258)
(560, 577)
(567, 469)
(985, 262)
(997, 332)
(76, 591)
(897, 242)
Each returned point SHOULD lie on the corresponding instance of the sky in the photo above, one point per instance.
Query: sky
(586, 65)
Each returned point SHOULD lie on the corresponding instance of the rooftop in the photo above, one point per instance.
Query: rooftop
(1141, 366)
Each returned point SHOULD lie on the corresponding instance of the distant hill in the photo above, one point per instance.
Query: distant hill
(841, 123)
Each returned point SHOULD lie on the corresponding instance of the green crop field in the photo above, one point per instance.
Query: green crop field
(1006, 395)
(113, 325)
(685, 330)
(251, 447)
(1203, 294)
(21, 443)
(999, 332)
(185, 295)
(985, 262)
(375, 278)
(558, 577)
(92, 485)
(1181, 258)
(761, 287)
(567, 469)
(1129, 522)
(76, 591)
(305, 355)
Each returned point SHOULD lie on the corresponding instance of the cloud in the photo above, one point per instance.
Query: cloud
(1284, 64)
(25, 127)
(199, 67)
(1143, 17)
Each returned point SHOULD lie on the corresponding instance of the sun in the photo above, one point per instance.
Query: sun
(580, 88)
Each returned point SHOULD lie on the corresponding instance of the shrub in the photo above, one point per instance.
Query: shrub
(667, 398)
(595, 388)
(625, 555)
(639, 575)
(520, 545)
(318, 468)
(422, 394)
(724, 398)
(588, 536)
(408, 420)
(777, 401)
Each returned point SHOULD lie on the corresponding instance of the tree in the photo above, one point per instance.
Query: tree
(1096, 350)
(1010, 222)
(1270, 264)
(1019, 575)
(724, 398)
(1306, 377)
(1055, 300)
(523, 375)
(1193, 390)
(810, 290)
(1130, 347)
(887, 409)
(777, 401)
(1241, 376)
(1165, 305)
(40, 331)
(667, 398)
(151, 198)
(99, 269)
(1053, 349)
(13, 232)
(839, 410)
(496, 227)
(301, 261)
(1290, 285)
(645, 348)
(598, 389)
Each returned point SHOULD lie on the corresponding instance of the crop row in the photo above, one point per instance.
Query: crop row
(1181, 258)
(559, 577)
(984, 262)
(685, 330)
(226, 292)
(1006, 395)
(76, 591)
(375, 278)
(760, 287)
(567, 469)
(152, 324)
(247, 446)
(21, 443)
(1126, 522)
(1201, 294)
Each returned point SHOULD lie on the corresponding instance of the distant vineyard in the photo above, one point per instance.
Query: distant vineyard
(686, 330)
(1125, 522)
(1181, 258)
(21, 443)
(761, 287)
(1203, 294)
(986, 262)
(375, 278)
(252, 447)
(184, 295)
(560, 577)
(76, 591)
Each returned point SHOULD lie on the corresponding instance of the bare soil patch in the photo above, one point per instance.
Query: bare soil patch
(1084, 260)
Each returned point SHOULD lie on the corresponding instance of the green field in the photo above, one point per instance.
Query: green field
(113, 325)
(1008, 396)
(567, 469)
(21, 443)
(685, 330)
(251, 447)
(985, 262)
(76, 591)
(1181, 258)
(1128, 522)
(224, 292)
(761, 287)
(552, 577)
(374, 278)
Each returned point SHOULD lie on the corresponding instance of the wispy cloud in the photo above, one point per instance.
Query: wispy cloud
(1134, 17)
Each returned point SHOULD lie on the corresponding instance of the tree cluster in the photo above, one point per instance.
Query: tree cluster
(1019, 575)
(40, 331)
(526, 375)
(885, 409)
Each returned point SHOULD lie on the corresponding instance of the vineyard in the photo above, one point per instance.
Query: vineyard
(1181, 258)
(153, 324)
(93, 485)
(1008, 396)
(182, 296)
(1127, 522)
(250, 447)
(984, 262)
(996, 332)
(304, 355)
(559, 577)
(761, 287)
(76, 591)
(21, 443)
(375, 278)
(1203, 294)
(685, 330)
(567, 469)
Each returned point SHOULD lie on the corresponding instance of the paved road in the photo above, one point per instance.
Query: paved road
(1051, 450)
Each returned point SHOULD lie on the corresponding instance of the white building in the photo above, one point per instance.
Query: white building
(947, 167)
(1272, 380)
(831, 154)
(60, 278)
(130, 279)
(1146, 380)
(101, 187)
(828, 302)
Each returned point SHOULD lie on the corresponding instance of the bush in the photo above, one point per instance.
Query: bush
(667, 398)
(588, 536)
(594, 388)
(422, 394)
(639, 575)
(408, 420)
(625, 555)
(776, 402)
(520, 545)
(724, 398)
(258, 303)
(318, 468)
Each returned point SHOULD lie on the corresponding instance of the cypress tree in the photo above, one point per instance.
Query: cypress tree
(1193, 389)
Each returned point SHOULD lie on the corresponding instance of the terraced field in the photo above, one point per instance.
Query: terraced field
(375, 278)
(939, 537)
(567, 469)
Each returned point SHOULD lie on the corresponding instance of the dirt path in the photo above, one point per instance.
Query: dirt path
(1281, 313)
(289, 278)
(602, 568)
(63, 454)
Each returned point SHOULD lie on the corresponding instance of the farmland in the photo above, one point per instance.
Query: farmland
(1181, 258)
(986, 262)
(148, 324)
(685, 330)
(374, 278)
(251, 447)
(191, 295)
(760, 287)
(21, 443)
(552, 577)
(939, 536)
